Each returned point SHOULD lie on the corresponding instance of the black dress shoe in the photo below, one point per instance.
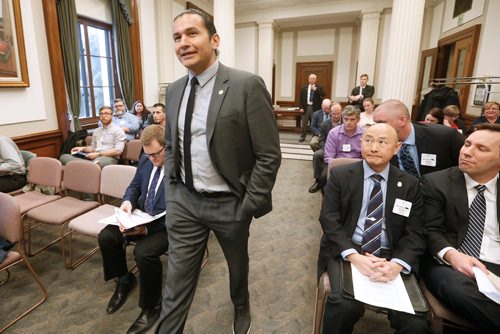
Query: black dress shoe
(146, 320)
(242, 320)
(301, 139)
(120, 295)
(314, 188)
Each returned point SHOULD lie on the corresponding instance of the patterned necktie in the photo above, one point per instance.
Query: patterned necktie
(188, 172)
(471, 245)
(373, 222)
(148, 204)
(311, 96)
(407, 161)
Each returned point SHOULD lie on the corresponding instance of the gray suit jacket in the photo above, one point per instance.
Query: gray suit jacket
(242, 137)
(447, 208)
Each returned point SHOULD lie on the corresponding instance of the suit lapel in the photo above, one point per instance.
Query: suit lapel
(460, 200)
(148, 167)
(219, 92)
(355, 194)
(175, 96)
(395, 186)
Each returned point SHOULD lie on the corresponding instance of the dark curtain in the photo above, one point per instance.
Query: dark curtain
(122, 18)
(68, 25)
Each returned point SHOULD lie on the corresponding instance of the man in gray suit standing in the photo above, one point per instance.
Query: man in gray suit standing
(221, 160)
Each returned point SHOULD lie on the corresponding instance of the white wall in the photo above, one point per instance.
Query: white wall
(32, 109)
(437, 20)
(286, 79)
(99, 10)
(343, 63)
(316, 42)
(246, 41)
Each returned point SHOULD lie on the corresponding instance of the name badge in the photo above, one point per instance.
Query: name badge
(123, 122)
(428, 160)
(402, 207)
(346, 147)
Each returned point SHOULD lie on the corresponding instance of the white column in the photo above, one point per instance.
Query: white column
(266, 53)
(166, 53)
(400, 78)
(368, 43)
(224, 22)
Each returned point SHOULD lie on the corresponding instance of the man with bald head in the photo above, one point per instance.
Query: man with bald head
(311, 96)
(318, 117)
(425, 147)
(372, 216)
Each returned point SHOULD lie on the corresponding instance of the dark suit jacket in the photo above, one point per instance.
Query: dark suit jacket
(324, 129)
(317, 119)
(368, 91)
(447, 208)
(138, 189)
(318, 96)
(440, 140)
(242, 137)
(343, 197)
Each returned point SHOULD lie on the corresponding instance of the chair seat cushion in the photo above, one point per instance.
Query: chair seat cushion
(60, 211)
(12, 256)
(32, 199)
(88, 222)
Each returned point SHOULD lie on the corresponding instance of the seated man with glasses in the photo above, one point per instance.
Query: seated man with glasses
(146, 192)
(107, 144)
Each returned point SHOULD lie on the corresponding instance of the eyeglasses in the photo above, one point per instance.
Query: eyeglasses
(154, 155)
(106, 113)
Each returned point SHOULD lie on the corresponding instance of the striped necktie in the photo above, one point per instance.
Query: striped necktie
(471, 245)
(148, 203)
(373, 222)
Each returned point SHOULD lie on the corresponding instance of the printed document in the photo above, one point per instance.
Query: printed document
(489, 285)
(391, 295)
(137, 218)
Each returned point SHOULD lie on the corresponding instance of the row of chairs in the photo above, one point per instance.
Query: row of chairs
(441, 316)
(64, 208)
(131, 152)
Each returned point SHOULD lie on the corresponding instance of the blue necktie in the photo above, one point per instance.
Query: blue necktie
(471, 245)
(148, 204)
(407, 161)
(372, 233)
(188, 171)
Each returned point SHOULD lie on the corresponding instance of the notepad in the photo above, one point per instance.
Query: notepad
(137, 218)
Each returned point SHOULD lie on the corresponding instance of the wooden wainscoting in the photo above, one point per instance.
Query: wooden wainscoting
(43, 144)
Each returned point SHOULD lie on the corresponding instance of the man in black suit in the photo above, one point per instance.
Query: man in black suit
(311, 96)
(145, 192)
(425, 147)
(319, 166)
(220, 169)
(372, 217)
(359, 93)
(462, 208)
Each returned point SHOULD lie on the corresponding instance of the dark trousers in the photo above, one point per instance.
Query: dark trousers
(190, 218)
(10, 183)
(147, 252)
(460, 293)
(306, 119)
(341, 313)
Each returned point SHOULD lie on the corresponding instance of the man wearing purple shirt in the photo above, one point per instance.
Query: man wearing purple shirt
(344, 141)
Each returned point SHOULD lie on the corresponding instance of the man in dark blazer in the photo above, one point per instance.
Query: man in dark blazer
(146, 192)
(432, 147)
(318, 117)
(345, 218)
(359, 93)
(311, 96)
(452, 215)
(220, 175)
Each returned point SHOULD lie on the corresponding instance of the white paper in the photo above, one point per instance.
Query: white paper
(137, 218)
(391, 295)
(486, 286)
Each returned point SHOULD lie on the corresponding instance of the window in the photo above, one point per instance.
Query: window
(98, 78)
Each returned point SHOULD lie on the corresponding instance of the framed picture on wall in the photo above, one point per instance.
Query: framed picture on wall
(13, 67)
(481, 95)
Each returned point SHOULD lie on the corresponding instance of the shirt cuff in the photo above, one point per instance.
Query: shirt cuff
(348, 252)
(440, 255)
(406, 266)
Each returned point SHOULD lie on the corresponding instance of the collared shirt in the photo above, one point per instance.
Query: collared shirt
(412, 147)
(108, 138)
(205, 176)
(309, 97)
(357, 237)
(365, 120)
(127, 120)
(11, 159)
(340, 145)
(490, 245)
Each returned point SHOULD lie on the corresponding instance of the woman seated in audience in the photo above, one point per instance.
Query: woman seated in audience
(451, 114)
(435, 116)
(141, 113)
(490, 113)
(367, 116)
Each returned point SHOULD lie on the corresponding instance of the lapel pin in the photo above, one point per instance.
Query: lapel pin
(221, 92)
(400, 184)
